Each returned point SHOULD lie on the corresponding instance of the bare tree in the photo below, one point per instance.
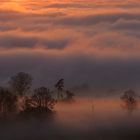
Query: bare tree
(129, 99)
(42, 98)
(20, 83)
(60, 87)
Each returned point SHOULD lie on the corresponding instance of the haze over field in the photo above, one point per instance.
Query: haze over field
(106, 121)
(92, 44)
(57, 57)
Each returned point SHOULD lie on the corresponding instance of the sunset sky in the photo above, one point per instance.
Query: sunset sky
(90, 43)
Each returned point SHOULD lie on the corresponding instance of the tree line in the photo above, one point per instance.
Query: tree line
(18, 97)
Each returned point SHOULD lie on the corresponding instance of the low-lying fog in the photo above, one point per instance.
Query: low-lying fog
(86, 119)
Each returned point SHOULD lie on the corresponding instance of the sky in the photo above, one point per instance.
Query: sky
(92, 44)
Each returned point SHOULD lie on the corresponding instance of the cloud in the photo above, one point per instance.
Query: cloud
(6, 28)
(97, 19)
(16, 41)
(71, 5)
(130, 25)
(9, 42)
(8, 16)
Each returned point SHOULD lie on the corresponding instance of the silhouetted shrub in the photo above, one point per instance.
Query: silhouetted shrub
(40, 104)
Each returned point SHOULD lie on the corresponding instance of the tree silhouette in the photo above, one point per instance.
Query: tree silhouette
(20, 83)
(129, 99)
(42, 98)
(60, 86)
(40, 104)
(7, 101)
(69, 96)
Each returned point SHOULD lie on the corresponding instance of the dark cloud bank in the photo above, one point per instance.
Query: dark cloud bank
(10, 42)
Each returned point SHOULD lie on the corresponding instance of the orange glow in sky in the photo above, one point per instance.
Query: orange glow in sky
(72, 20)
(91, 42)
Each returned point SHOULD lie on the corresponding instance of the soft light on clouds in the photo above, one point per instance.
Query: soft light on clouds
(94, 42)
